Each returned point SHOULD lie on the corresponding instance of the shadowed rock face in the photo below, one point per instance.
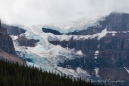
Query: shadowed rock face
(47, 30)
(118, 22)
(6, 42)
(113, 50)
(13, 30)
(27, 42)
(16, 31)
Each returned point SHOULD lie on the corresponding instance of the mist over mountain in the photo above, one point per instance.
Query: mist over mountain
(58, 12)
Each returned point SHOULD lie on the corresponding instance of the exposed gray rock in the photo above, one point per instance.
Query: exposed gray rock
(27, 42)
(6, 42)
(113, 53)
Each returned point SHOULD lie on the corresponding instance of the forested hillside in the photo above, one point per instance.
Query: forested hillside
(16, 75)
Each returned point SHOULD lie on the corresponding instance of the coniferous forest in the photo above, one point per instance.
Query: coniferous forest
(12, 74)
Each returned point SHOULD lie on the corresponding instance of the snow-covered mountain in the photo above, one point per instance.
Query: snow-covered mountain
(44, 54)
(92, 51)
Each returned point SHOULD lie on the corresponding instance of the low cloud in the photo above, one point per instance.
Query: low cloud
(58, 12)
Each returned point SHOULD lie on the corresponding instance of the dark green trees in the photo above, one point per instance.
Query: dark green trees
(14, 75)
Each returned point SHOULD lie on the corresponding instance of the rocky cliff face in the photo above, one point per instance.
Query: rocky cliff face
(47, 30)
(6, 42)
(13, 30)
(27, 42)
(110, 53)
(17, 31)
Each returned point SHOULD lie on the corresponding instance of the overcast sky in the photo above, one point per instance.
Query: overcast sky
(59, 12)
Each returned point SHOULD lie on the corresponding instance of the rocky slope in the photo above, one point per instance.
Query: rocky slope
(11, 58)
(6, 42)
(107, 47)
(7, 50)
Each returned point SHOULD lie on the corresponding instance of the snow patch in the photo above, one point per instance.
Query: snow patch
(79, 72)
(96, 54)
(98, 46)
(113, 34)
(14, 37)
(102, 34)
(79, 52)
(96, 57)
(96, 72)
(127, 70)
(52, 37)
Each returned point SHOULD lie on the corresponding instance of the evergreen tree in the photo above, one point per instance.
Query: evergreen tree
(20, 75)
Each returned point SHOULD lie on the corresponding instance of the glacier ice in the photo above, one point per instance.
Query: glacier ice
(46, 55)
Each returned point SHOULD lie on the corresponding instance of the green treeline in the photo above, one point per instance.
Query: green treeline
(14, 75)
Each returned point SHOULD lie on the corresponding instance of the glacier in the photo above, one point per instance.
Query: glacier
(45, 55)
